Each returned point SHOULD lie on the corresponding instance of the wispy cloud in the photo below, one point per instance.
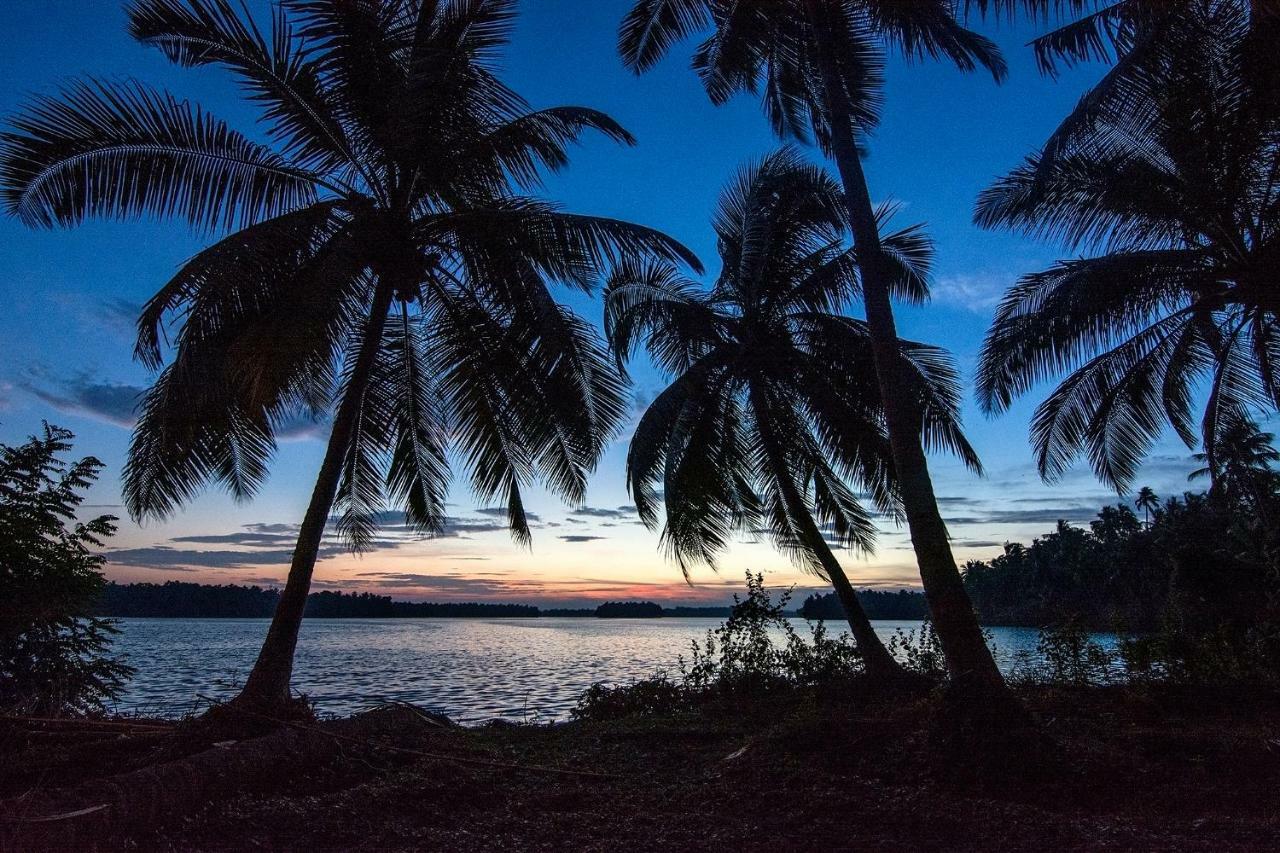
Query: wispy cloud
(622, 512)
(116, 403)
(82, 394)
(976, 292)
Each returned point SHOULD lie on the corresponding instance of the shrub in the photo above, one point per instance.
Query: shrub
(920, 653)
(1222, 654)
(52, 652)
(741, 657)
(652, 696)
(1069, 656)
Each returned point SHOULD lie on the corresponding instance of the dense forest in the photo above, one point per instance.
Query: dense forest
(1188, 562)
(879, 604)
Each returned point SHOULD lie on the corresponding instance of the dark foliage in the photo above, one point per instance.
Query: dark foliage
(1167, 174)
(741, 658)
(175, 599)
(386, 266)
(879, 604)
(1202, 562)
(53, 653)
(629, 610)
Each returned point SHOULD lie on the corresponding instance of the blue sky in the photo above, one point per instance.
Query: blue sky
(70, 297)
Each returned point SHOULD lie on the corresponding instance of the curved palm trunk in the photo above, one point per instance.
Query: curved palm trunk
(875, 656)
(968, 658)
(267, 687)
(877, 659)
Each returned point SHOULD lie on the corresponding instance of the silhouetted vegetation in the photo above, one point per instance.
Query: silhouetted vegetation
(1198, 580)
(629, 610)
(193, 600)
(53, 652)
(386, 268)
(740, 658)
(1203, 559)
(818, 66)
(879, 604)
(1170, 313)
(772, 423)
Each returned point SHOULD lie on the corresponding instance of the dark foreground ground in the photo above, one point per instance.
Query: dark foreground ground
(1129, 769)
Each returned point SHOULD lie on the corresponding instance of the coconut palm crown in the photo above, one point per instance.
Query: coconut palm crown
(772, 48)
(384, 265)
(1175, 187)
(772, 424)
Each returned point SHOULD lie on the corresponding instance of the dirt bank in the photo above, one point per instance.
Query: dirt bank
(1133, 769)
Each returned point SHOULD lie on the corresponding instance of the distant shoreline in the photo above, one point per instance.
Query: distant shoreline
(182, 600)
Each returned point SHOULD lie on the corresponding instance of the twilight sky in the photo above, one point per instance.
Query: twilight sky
(70, 298)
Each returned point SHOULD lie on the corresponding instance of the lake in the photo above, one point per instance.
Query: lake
(471, 669)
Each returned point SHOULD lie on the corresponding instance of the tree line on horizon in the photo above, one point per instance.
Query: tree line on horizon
(383, 261)
(184, 599)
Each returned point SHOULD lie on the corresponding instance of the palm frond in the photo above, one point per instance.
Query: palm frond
(929, 29)
(274, 69)
(417, 475)
(120, 150)
(651, 27)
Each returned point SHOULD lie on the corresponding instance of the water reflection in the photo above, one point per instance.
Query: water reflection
(470, 669)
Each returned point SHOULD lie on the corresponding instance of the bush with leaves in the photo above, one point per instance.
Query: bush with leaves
(1066, 654)
(741, 657)
(53, 653)
(921, 652)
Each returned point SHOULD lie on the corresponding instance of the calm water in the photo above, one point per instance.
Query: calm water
(470, 669)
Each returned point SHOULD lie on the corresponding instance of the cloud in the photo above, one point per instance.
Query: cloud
(1045, 515)
(272, 543)
(577, 539)
(116, 403)
(247, 538)
(494, 585)
(624, 511)
(979, 292)
(180, 560)
(501, 512)
(110, 402)
(118, 315)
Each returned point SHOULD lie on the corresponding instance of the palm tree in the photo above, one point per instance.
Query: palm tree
(1178, 188)
(820, 65)
(773, 422)
(1134, 35)
(1147, 501)
(382, 266)
(1120, 31)
(1243, 466)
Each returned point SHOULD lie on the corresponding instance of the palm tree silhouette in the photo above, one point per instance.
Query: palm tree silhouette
(1147, 501)
(1242, 466)
(1175, 186)
(821, 65)
(383, 265)
(1121, 32)
(1135, 36)
(773, 422)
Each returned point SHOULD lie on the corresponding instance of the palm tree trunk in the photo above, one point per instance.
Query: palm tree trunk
(267, 688)
(875, 656)
(877, 659)
(968, 658)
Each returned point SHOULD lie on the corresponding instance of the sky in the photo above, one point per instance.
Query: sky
(70, 298)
